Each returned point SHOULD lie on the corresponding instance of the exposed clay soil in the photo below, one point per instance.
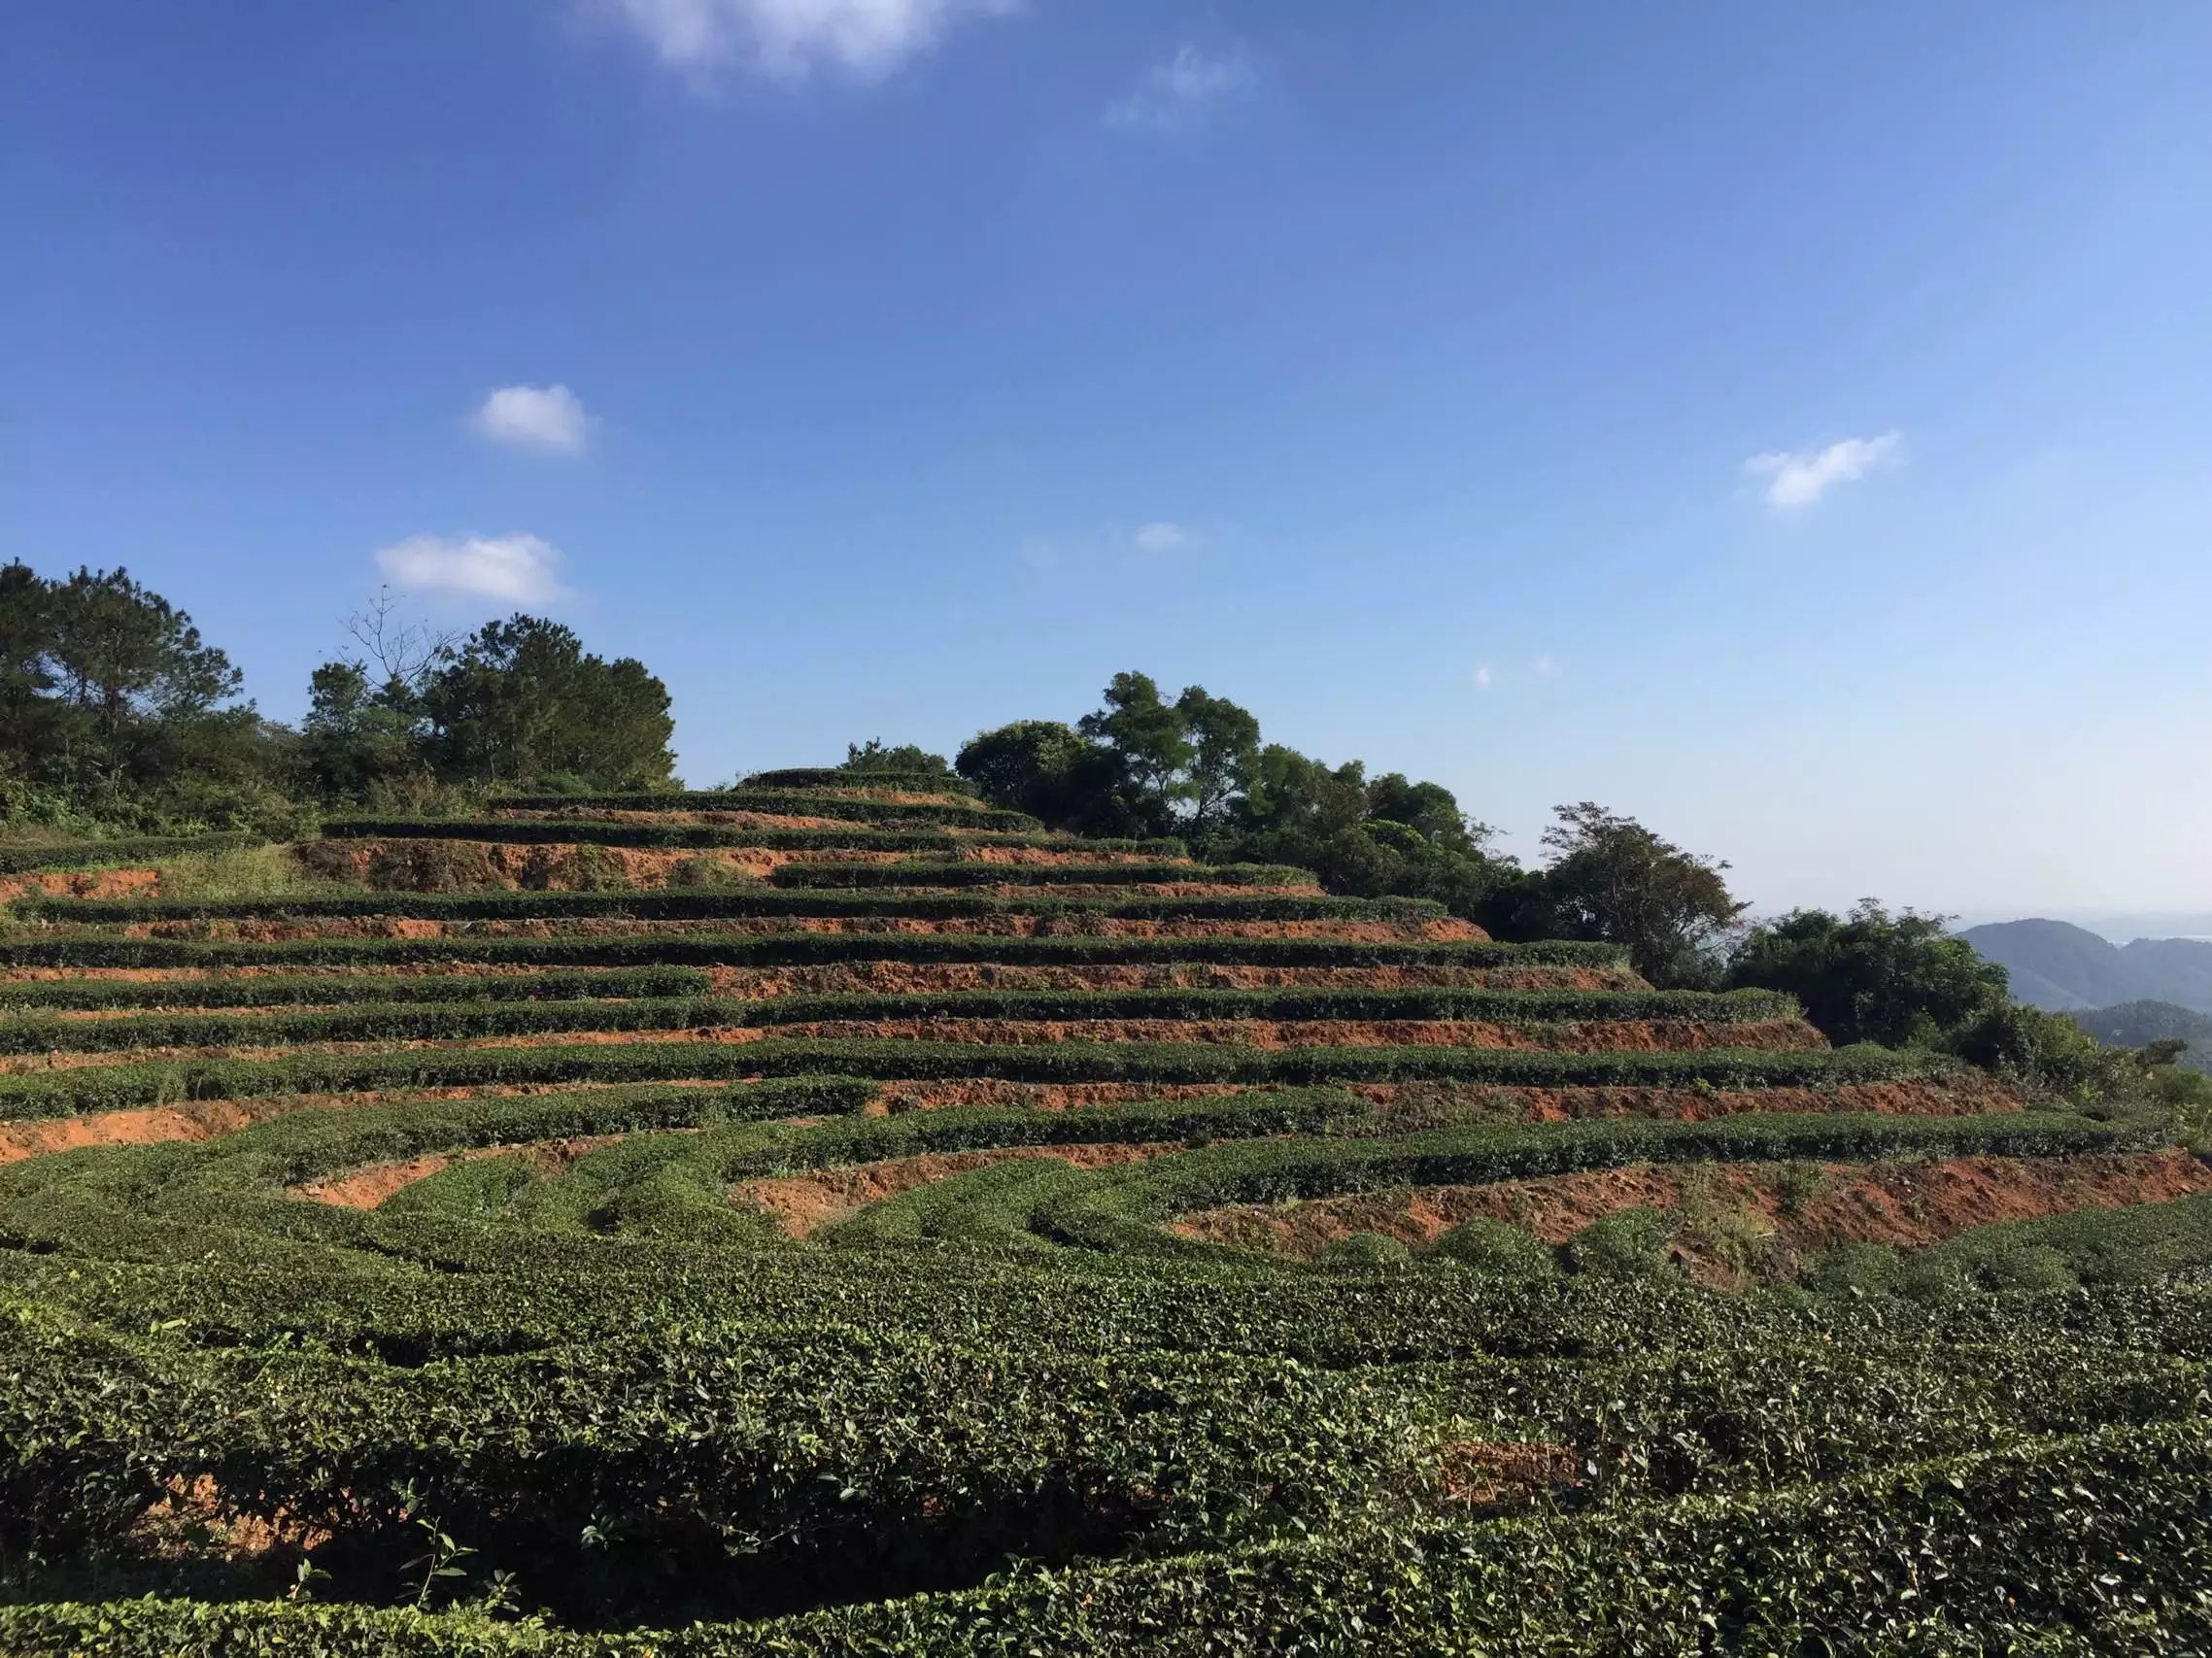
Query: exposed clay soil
(1907, 1203)
(366, 1188)
(82, 884)
(805, 1204)
(556, 866)
(1420, 1105)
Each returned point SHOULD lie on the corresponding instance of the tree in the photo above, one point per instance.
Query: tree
(912, 758)
(108, 695)
(1614, 880)
(522, 702)
(1027, 767)
(1872, 976)
(1145, 733)
(1221, 744)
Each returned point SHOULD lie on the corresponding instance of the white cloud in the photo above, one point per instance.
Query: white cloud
(1484, 677)
(514, 569)
(1179, 92)
(787, 40)
(1798, 478)
(1544, 667)
(535, 417)
(1161, 536)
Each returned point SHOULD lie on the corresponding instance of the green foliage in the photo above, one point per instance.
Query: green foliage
(20, 856)
(1366, 1252)
(1490, 1245)
(1612, 878)
(1628, 1243)
(57, 948)
(1872, 976)
(111, 1087)
(872, 758)
(521, 699)
(113, 705)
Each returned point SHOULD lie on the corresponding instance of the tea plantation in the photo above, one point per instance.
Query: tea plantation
(833, 1216)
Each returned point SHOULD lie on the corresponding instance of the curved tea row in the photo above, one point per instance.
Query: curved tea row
(1035, 1245)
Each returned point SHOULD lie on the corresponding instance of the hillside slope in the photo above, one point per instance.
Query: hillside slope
(2068, 968)
(830, 1216)
(2132, 1024)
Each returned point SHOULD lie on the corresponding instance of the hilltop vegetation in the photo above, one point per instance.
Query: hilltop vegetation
(853, 1211)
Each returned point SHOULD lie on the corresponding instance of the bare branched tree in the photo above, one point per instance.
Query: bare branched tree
(404, 653)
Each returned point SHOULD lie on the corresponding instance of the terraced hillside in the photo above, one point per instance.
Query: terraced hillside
(830, 1217)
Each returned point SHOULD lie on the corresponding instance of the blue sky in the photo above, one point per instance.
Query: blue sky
(1790, 426)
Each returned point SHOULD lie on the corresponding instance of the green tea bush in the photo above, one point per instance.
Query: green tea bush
(1491, 1246)
(1630, 1243)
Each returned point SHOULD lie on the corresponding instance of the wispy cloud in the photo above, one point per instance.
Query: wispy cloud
(1546, 666)
(1484, 677)
(1797, 478)
(1185, 91)
(789, 40)
(549, 418)
(1161, 536)
(514, 569)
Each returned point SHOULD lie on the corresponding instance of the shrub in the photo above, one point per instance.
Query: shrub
(1853, 1268)
(1492, 1245)
(1630, 1243)
(2029, 1266)
(1364, 1251)
(432, 866)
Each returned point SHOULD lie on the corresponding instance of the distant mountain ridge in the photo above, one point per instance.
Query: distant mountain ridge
(2070, 970)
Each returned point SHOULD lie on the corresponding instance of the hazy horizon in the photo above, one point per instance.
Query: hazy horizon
(1789, 428)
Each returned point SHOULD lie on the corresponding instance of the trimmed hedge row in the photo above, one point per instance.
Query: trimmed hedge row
(919, 873)
(570, 1002)
(574, 831)
(101, 1088)
(1505, 1006)
(780, 802)
(2072, 1546)
(837, 777)
(371, 1022)
(273, 991)
(798, 949)
(687, 905)
(29, 858)
(1119, 1213)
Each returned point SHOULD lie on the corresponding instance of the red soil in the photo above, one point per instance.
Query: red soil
(82, 884)
(805, 1204)
(366, 1188)
(1907, 1204)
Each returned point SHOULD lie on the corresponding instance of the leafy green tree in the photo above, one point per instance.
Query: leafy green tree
(1222, 746)
(1027, 767)
(1614, 880)
(28, 713)
(875, 756)
(1872, 976)
(111, 699)
(359, 738)
(1146, 733)
(521, 701)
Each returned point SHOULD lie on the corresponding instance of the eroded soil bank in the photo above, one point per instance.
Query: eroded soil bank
(1907, 1204)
